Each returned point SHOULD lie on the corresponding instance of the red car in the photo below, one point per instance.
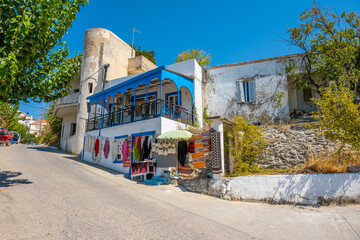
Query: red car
(5, 137)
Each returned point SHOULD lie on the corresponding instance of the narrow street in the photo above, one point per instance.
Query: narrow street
(47, 194)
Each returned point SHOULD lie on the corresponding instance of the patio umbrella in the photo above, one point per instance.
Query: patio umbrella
(176, 134)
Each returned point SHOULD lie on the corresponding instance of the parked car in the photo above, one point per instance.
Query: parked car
(5, 137)
(16, 137)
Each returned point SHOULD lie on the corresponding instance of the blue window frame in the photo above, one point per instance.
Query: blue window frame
(167, 95)
(247, 89)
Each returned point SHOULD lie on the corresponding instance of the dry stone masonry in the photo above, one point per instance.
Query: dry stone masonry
(291, 146)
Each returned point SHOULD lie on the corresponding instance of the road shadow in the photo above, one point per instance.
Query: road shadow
(78, 159)
(74, 158)
(45, 149)
(6, 181)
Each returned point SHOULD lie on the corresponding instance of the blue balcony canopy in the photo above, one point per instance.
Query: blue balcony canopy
(159, 73)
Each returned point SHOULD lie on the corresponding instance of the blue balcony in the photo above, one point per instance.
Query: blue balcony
(150, 110)
(156, 93)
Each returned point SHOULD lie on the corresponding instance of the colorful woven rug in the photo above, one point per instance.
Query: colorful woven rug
(184, 169)
(127, 162)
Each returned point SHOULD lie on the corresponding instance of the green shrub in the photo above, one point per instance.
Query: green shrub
(49, 138)
(28, 138)
(339, 116)
(39, 139)
(247, 143)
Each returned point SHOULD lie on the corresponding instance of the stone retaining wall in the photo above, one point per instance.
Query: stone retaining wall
(291, 145)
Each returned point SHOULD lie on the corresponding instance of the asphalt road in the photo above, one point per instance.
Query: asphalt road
(46, 194)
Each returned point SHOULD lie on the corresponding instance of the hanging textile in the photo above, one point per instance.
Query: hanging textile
(191, 147)
(150, 147)
(141, 148)
(124, 151)
(127, 161)
(198, 155)
(113, 148)
(146, 149)
(135, 149)
(215, 152)
(117, 149)
(92, 144)
(184, 169)
(96, 148)
(205, 138)
(106, 148)
(182, 151)
(139, 168)
(101, 147)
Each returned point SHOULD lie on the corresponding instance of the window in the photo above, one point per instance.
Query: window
(90, 87)
(307, 95)
(245, 91)
(73, 129)
(76, 90)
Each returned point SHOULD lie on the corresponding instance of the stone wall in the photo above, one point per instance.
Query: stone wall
(291, 146)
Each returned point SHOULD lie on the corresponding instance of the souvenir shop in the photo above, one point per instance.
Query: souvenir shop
(156, 158)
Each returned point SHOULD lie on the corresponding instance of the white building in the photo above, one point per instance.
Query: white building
(37, 126)
(249, 89)
(102, 99)
(24, 119)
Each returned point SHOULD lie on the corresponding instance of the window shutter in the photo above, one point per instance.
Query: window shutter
(252, 95)
(238, 91)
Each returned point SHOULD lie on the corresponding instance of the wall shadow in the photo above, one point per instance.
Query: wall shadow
(7, 181)
(318, 189)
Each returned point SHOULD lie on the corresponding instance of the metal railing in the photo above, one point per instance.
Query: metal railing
(141, 112)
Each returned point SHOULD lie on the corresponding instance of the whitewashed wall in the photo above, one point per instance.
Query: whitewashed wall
(219, 90)
(303, 189)
(159, 125)
(67, 142)
(193, 70)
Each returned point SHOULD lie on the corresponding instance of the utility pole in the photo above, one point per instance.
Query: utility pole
(42, 112)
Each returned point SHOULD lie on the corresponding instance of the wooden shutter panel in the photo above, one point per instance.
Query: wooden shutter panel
(252, 95)
(238, 91)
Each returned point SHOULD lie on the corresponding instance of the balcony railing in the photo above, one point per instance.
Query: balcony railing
(71, 98)
(153, 109)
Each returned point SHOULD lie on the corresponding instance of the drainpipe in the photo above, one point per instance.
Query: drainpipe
(106, 66)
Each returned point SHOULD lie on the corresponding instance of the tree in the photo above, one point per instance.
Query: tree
(33, 57)
(339, 116)
(201, 56)
(330, 64)
(330, 49)
(150, 55)
(18, 127)
(8, 114)
(55, 123)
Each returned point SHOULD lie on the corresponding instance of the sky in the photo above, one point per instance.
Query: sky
(230, 30)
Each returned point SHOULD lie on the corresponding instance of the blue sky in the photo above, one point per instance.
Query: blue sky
(232, 31)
